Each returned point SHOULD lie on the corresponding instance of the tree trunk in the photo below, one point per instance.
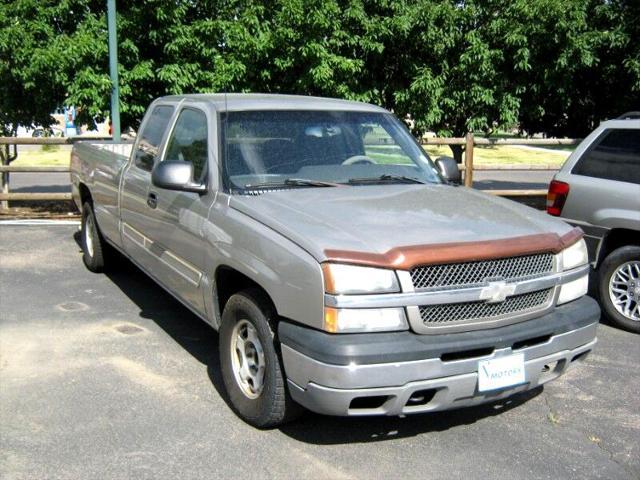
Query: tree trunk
(457, 151)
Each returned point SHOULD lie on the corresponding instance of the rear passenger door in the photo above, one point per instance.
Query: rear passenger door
(606, 177)
(136, 198)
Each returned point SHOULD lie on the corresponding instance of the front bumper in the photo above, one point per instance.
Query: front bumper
(400, 373)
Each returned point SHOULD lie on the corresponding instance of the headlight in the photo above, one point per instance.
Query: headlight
(350, 279)
(572, 290)
(575, 255)
(352, 320)
(571, 257)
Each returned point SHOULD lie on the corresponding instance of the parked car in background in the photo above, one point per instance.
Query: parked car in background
(42, 132)
(598, 189)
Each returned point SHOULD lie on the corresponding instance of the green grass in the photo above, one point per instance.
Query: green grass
(51, 156)
(506, 155)
(483, 155)
(387, 154)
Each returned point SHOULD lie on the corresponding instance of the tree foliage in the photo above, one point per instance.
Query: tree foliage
(551, 66)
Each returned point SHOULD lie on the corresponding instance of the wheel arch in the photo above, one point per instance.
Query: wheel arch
(85, 195)
(229, 281)
(616, 238)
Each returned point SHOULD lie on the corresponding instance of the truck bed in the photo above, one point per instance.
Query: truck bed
(99, 166)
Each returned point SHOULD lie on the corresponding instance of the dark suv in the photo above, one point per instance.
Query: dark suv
(598, 189)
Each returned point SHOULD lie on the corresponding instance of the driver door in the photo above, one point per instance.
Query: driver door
(177, 229)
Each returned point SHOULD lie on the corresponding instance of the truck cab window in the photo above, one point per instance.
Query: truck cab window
(381, 147)
(188, 141)
(147, 149)
(322, 146)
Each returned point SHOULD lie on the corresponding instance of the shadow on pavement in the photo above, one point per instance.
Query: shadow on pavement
(201, 341)
(323, 430)
(185, 328)
(195, 336)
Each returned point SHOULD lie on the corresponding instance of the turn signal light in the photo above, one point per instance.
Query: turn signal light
(557, 195)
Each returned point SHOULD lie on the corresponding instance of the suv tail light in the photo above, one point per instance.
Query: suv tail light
(557, 195)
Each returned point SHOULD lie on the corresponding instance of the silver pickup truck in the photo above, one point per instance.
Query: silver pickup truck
(344, 270)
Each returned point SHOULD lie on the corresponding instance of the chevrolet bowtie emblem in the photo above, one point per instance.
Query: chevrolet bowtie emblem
(497, 291)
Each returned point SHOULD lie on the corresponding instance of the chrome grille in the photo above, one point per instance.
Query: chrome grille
(473, 273)
(434, 315)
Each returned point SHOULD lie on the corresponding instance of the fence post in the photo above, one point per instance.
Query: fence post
(468, 160)
(4, 160)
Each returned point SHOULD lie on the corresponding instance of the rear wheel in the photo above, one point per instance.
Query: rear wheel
(619, 287)
(250, 362)
(93, 245)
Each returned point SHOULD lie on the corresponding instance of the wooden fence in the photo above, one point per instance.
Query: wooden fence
(6, 156)
(468, 142)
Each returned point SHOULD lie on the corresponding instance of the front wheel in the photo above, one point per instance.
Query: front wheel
(251, 367)
(619, 287)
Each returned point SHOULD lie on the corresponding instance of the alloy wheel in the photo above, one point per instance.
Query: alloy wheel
(624, 290)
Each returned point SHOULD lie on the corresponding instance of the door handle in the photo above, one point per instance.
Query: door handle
(152, 200)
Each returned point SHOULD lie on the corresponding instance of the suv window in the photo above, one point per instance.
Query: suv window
(615, 155)
(151, 136)
(188, 142)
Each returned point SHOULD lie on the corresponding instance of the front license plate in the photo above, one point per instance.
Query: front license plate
(501, 372)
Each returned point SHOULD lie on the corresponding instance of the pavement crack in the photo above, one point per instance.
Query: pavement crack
(600, 444)
(552, 416)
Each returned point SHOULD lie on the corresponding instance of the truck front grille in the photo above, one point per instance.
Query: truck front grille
(459, 275)
(455, 313)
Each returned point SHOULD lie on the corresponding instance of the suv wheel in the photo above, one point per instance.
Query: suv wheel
(250, 362)
(619, 287)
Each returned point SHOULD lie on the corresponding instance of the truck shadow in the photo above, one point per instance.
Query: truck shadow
(201, 341)
(155, 304)
(322, 430)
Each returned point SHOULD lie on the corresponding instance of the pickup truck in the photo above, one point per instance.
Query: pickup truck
(344, 270)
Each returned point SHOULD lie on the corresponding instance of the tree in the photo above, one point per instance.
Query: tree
(550, 66)
(29, 64)
(584, 66)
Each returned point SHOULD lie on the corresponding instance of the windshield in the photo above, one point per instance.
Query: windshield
(294, 149)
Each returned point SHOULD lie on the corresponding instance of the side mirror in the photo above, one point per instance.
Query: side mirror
(449, 169)
(176, 176)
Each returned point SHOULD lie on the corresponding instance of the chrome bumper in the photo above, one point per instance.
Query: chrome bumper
(423, 385)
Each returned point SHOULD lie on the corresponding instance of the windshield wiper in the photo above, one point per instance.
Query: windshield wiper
(386, 178)
(290, 182)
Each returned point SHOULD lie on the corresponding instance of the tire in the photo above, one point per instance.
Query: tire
(93, 245)
(266, 403)
(621, 270)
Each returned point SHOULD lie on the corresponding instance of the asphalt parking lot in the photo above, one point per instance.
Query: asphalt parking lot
(106, 376)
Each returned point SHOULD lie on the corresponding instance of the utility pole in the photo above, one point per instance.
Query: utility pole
(113, 70)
